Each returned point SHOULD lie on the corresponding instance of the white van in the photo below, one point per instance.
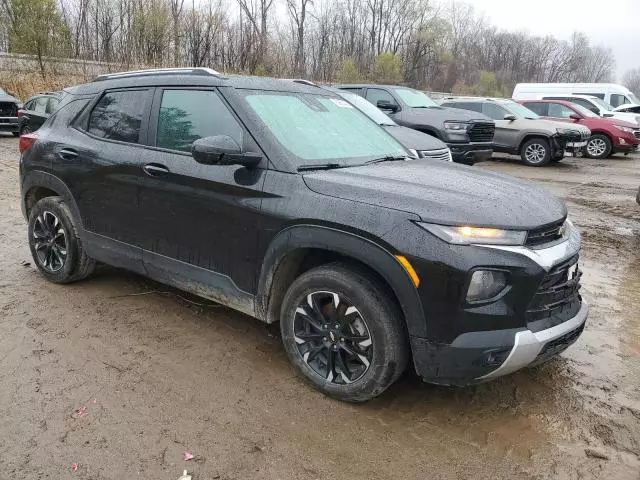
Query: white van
(611, 93)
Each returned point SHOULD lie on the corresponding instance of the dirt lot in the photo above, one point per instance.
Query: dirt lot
(159, 374)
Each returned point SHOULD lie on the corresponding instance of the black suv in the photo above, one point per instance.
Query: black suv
(468, 135)
(9, 106)
(278, 200)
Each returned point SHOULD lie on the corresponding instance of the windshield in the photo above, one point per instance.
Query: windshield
(519, 110)
(601, 103)
(414, 98)
(366, 107)
(633, 98)
(585, 112)
(318, 130)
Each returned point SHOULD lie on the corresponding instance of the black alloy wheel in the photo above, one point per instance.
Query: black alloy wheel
(50, 242)
(332, 337)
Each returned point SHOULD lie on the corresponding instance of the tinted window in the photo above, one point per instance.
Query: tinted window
(187, 115)
(357, 91)
(585, 103)
(617, 100)
(493, 111)
(559, 111)
(374, 95)
(539, 108)
(118, 116)
(599, 95)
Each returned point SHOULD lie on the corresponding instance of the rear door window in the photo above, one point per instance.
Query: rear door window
(187, 115)
(52, 105)
(538, 107)
(118, 115)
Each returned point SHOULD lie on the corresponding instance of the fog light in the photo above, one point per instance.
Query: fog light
(622, 141)
(485, 284)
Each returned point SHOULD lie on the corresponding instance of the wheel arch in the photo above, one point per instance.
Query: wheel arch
(531, 136)
(299, 248)
(37, 185)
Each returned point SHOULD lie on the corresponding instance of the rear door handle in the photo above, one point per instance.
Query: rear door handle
(155, 169)
(68, 154)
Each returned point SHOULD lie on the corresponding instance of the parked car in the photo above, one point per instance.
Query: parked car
(608, 135)
(9, 106)
(596, 105)
(628, 108)
(611, 93)
(36, 110)
(469, 136)
(519, 131)
(280, 201)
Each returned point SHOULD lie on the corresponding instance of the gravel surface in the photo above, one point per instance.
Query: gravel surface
(122, 375)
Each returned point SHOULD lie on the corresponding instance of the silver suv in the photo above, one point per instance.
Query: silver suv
(519, 131)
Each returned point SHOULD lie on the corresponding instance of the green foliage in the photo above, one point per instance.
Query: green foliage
(387, 68)
(349, 73)
(36, 27)
(487, 86)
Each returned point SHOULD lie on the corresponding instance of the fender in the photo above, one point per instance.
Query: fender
(38, 178)
(365, 250)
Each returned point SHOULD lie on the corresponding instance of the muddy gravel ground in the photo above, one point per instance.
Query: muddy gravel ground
(158, 372)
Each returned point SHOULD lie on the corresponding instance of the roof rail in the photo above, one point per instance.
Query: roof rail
(303, 81)
(159, 71)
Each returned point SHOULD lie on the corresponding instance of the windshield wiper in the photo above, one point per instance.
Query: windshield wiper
(388, 158)
(322, 166)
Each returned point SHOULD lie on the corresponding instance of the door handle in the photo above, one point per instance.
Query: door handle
(155, 169)
(68, 154)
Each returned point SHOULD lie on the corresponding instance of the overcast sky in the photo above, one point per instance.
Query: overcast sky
(612, 23)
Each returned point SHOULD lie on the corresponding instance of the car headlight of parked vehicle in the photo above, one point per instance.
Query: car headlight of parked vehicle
(455, 126)
(567, 131)
(468, 235)
(625, 129)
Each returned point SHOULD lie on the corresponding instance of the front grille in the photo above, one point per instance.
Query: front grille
(637, 133)
(8, 109)
(540, 236)
(481, 131)
(442, 155)
(557, 298)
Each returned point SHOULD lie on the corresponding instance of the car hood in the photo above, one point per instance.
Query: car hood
(443, 193)
(553, 124)
(8, 98)
(620, 108)
(442, 114)
(414, 139)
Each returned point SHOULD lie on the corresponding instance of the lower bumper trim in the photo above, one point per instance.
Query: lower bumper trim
(528, 345)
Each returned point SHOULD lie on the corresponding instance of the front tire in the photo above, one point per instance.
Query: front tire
(343, 333)
(536, 152)
(599, 146)
(55, 245)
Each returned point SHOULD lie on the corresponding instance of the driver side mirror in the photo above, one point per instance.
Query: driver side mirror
(387, 105)
(575, 116)
(222, 150)
(509, 116)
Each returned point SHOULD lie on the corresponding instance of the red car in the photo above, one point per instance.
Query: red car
(608, 135)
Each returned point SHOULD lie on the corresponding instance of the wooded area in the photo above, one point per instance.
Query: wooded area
(436, 46)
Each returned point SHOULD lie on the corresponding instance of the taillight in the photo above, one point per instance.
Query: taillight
(26, 141)
(20, 112)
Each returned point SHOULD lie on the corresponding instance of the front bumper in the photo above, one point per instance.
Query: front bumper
(8, 124)
(470, 153)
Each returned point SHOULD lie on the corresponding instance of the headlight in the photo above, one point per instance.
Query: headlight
(485, 284)
(455, 126)
(567, 131)
(467, 235)
(624, 129)
(414, 153)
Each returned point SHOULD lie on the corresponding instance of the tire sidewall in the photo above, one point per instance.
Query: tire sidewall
(540, 141)
(57, 206)
(607, 142)
(374, 310)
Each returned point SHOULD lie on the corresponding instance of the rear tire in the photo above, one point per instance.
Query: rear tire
(599, 146)
(55, 245)
(536, 152)
(343, 333)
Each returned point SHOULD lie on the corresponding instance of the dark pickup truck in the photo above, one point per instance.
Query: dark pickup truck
(468, 135)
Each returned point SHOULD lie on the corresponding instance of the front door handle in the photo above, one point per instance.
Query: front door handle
(155, 169)
(68, 154)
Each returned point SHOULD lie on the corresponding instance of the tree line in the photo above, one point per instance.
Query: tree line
(441, 46)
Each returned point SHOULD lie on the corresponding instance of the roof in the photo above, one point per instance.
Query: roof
(367, 85)
(192, 77)
(477, 99)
